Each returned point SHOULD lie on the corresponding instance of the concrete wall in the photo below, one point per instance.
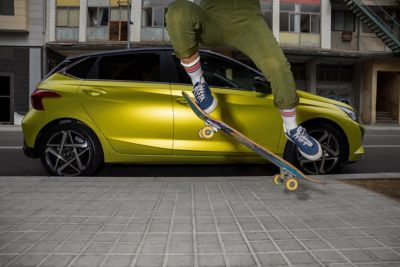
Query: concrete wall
(365, 42)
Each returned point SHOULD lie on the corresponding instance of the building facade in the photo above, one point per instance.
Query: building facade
(21, 51)
(334, 49)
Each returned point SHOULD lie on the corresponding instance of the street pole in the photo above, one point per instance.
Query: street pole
(129, 25)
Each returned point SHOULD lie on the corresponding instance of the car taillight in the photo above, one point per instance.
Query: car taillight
(38, 95)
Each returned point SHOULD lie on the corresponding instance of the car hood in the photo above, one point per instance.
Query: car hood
(315, 100)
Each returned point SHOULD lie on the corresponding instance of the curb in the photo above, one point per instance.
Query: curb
(10, 128)
(379, 175)
(329, 177)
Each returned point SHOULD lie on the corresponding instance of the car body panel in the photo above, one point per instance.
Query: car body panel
(148, 122)
(136, 117)
(243, 110)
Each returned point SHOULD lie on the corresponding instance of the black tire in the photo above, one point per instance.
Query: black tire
(70, 148)
(334, 150)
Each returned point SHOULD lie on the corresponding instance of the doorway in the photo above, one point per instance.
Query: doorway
(387, 97)
(6, 99)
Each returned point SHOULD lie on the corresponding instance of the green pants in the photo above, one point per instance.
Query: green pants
(236, 23)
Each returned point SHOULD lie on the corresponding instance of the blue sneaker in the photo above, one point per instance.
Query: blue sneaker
(204, 98)
(308, 146)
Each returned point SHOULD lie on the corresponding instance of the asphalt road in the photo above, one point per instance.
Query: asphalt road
(382, 155)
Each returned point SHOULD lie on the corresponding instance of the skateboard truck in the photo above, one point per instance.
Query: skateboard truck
(286, 177)
(207, 132)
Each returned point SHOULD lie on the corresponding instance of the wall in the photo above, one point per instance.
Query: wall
(20, 20)
(34, 34)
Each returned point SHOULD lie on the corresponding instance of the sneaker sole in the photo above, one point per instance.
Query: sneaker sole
(211, 108)
(312, 157)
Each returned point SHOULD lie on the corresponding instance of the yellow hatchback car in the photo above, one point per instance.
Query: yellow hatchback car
(127, 107)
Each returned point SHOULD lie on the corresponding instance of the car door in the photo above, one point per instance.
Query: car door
(245, 103)
(132, 107)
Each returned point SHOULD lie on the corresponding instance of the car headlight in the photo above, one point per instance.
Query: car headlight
(351, 113)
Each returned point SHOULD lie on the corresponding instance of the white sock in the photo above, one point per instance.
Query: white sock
(289, 118)
(194, 70)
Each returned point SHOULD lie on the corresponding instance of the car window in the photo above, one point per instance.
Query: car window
(130, 67)
(81, 69)
(220, 72)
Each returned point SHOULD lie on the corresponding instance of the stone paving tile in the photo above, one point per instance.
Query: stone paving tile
(118, 260)
(57, 260)
(99, 221)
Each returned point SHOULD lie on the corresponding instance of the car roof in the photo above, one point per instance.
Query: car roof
(135, 49)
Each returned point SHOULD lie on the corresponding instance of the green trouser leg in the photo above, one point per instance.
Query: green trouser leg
(258, 43)
(187, 25)
(242, 28)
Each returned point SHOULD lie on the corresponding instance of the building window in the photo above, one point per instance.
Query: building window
(337, 73)
(67, 16)
(266, 9)
(305, 18)
(7, 7)
(97, 16)
(119, 21)
(343, 21)
(153, 13)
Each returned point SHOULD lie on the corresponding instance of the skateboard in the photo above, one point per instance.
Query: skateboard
(288, 173)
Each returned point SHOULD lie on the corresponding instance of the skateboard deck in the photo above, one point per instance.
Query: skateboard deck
(288, 172)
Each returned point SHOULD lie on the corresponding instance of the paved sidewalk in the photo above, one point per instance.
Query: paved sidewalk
(232, 221)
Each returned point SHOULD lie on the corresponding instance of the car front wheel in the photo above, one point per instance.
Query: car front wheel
(70, 149)
(333, 150)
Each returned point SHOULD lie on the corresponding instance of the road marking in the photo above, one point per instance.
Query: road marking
(10, 147)
(383, 135)
(381, 146)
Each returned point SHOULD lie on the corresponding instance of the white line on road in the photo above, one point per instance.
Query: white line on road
(10, 147)
(381, 146)
(383, 135)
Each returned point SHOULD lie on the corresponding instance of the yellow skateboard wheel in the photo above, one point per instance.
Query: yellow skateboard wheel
(291, 184)
(206, 132)
(277, 179)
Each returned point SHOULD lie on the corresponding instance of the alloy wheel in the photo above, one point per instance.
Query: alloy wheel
(68, 153)
(330, 153)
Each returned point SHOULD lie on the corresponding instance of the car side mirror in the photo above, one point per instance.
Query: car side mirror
(261, 85)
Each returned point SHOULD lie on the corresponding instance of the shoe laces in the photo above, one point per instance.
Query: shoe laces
(200, 91)
(301, 136)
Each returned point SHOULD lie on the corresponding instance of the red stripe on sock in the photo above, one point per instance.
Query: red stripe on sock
(288, 114)
(193, 68)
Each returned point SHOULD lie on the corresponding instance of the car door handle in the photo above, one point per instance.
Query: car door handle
(182, 101)
(94, 92)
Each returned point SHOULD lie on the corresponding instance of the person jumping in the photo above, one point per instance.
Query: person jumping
(240, 24)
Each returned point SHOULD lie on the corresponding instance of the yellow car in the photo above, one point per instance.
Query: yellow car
(127, 107)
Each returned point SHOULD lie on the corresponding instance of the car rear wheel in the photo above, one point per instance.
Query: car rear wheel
(70, 149)
(333, 150)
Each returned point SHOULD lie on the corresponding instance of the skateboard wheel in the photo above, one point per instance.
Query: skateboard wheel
(206, 132)
(277, 179)
(291, 184)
